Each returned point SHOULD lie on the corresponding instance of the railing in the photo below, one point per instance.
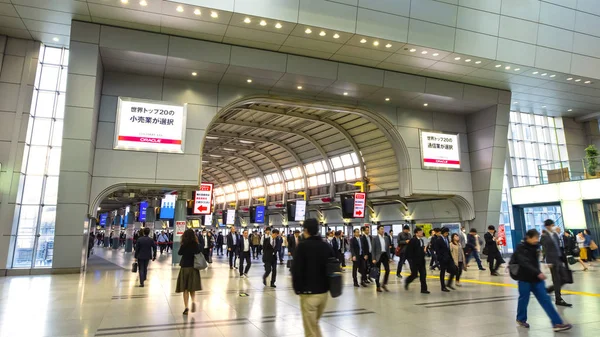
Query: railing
(561, 171)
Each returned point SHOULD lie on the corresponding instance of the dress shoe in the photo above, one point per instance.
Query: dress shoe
(482, 269)
(450, 286)
(385, 288)
(264, 281)
(379, 290)
(425, 292)
(357, 285)
(405, 286)
(495, 274)
(273, 285)
(562, 303)
(364, 284)
(445, 290)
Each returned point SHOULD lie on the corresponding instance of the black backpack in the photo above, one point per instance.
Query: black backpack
(334, 275)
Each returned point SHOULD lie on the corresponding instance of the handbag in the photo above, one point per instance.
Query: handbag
(334, 275)
(134, 267)
(593, 245)
(200, 262)
(486, 250)
(566, 275)
(288, 264)
(398, 250)
(374, 272)
(571, 259)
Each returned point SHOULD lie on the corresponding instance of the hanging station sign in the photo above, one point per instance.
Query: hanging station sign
(144, 125)
(360, 201)
(203, 199)
(230, 217)
(440, 150)
(300, 214)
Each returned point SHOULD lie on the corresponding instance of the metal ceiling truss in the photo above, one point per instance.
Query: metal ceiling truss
(226, 174)
(239, 170)
(256, 168)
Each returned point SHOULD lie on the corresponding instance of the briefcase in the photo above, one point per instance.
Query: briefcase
(134, 267)
(334, 274)
(289, 263)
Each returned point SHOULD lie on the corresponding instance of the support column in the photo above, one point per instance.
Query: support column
(180, 215)
(487, 132)
(107, 229)
(129, 232)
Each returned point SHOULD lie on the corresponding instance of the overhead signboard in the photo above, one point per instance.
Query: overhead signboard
(203, 199)
(259, 216)
(103, 219)
(440, 150)
(167, 206)
(144, 125)
(230, 219)
(360, 200)
(143, 207)
(300, 210)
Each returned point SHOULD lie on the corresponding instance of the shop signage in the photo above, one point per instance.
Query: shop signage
(501, 236)
(230, 220)
(144, 125)
(180, 227)
(203, 199)
(360, 200)
(440, 150)
(300, 210)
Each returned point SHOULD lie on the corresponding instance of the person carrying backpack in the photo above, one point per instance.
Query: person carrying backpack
(524, 267)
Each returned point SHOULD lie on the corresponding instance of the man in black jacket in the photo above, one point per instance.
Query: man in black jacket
(271, 247)
(441, 246)
(403, 239)
(145, 249)
(415, 254)
(220, 243)
(309, 277)
(233, 240)
(358, 259)
(555, 258)
(492, 251)
(336, 243)
(366, 244)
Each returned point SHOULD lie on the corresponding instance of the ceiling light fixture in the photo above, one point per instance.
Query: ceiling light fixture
(477, 62)
(570, 110)
(214, 14)
(345, 93)
(278, 25)
(215, 155)
(376, 43)
(125, 2)
(179, 9)
(387, 99)
(570, 78)
(543, 106)
(457, 58)
(412, 50)
(249, 80)
(517, 69)
(535, 72)
(425, 104)
(424, 52)
(211, 137)
(544, 74)
(55, 39)
(322, 33)
(507, 67)
(194, 73)
(515, 102)
(228, 149)
(247, 20)
(552, 75)
(336, 36)
(435, 54)
(468, 60)
(578, 80)
(197, 11)
(587, 82)
(246, 141)
(308, 31)
(263, 23)
(143, 3)
(299, 87)
(389, 45)
(498, 65)
(363, 41)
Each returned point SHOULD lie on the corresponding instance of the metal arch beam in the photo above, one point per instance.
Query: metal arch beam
(218, 182)
(290, 131)
(270, 158)
(331, 123)
(232, 183)
(240, 171)
(256, 168)
(274, 142)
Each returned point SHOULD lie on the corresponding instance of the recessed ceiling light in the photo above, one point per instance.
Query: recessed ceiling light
(578, 80)
(587, 82)
(376, 43)
(457, 58)
(214, 14)
(179, 9)
(424, 52)
(194, 73)
(299, 87)
(425, 104)
(263, 23)
(278, 25)
(308, 30)
(336, 36)
(570, 78)
(322, 33)
(412, 50)
(552, 75)
(228, 149)
(517, 69)
(215, 155)
(246, 141)
(249, 80)
(570, 110)
(125, 2)
(498, 65)
(515, 102)
(544, 74)
(535, 72)
(477, 62)
(543, 106)
(197, 11)
(345, 93)
(387, 99)
(435, 54)
(55, 39)
(468, 60)
(389, 45)
(247, 20)
(507, 67)
(363, 41)
(143, 3)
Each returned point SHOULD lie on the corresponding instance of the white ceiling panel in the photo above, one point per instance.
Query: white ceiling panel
(170, 8)
(250, 43)
(123, 14)
(12, 22)
(411, 61)
(452, 68)
(369, 54)
(240, 20)
(132, 56)
(49, 15)
(116, 65)
(194, 35)
(305, 52)
(311, 44)
(193, 25)
(47, 27)
(196, 65)
(67, 6)
(355, 60)
(18, 33)
(254, 73)
(7, 9)
(256, 35)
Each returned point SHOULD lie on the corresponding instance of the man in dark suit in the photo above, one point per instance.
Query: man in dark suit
(380, 245)
(403, 239)
(220, 244)
(492, 251)
(336, 243)
(555, 258)
(245, 249)
(232, 246)
(358, 258)
(271, 247)
(441, 246)
(205, 244)
(293, 242)
(145, 249)
(415, 254)
(366, 244)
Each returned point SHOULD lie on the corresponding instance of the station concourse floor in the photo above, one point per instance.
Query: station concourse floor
(105, 301)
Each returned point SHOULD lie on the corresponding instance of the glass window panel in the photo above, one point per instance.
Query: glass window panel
(62, 86)
(220, 199)
(50, 76)
(346, 160)
(354, 158)
(37, 160)
(48, 220)
(57, 133)
(23, 252)
(38, 75)
(322, 179)
(271, 189)
(60, 106)
(269, 179)
(51, 191)
(32, 192)
(298, 184)
(319, 167)
(310, 169)
(52, 55)
(241, 185)
(54, 161)
(243, 195)
(288, 174)
(357, 172)
(229, 189)
(28, 220)
(296, 172)
(45, 251)
(290, 185)
(350, 174)
(336, 162)
(258, 192)
(312, 181)
(218, 191)
(230, 197)
(339, 176)
(276, 177)
(41, 131)
(29, 130)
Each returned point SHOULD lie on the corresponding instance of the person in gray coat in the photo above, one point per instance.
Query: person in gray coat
(380, 255)
(555, 258)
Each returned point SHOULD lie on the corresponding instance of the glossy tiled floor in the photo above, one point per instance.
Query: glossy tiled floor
(106, 302)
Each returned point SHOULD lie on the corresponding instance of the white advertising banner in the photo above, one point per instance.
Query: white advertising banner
(230, 219)
(208, 219)
(300, 210)
(144, 125)
(360, 200)
(203, 199)
(440, 150)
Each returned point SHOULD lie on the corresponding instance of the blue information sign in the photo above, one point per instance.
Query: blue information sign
(103, 218)
(260, 214)
(143, 206)
(167, 207)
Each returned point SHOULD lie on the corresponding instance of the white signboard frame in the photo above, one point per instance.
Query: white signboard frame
(360, 202)
(203, 199)
(230, 217)
(300, 210)
(442, 152)
(155, 126)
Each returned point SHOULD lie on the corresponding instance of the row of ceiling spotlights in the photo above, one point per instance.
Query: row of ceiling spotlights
(544, 107)
(180, 9)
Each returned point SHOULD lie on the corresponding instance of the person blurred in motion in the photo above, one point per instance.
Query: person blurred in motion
(572, 249)
(592, 248)
(555, 259)
(472, 248)
(358, 259)
(583, 252)
(492, 251)
(162, 239)
(309, 277)
(293, 242)
(255, 239)
(205, 244)
(100, 238)
(271, 247)
(170, 242)
(336, 244)
(380, 244)
(434, 263)
(145, 249)
(232, 246)
(525, 268)
(367, 250)
(91, 240)
(188, 280)
(415, 254)
(245, 252)
(403, 240)
(441, 247)
(220, 243)
(458, 257)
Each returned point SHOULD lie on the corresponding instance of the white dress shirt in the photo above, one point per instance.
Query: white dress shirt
(246, 243)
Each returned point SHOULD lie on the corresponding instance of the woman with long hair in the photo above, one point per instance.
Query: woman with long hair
(458, 256)
(188, 281)
(572, 249)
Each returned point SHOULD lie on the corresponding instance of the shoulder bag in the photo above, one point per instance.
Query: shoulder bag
(134, 267)
(200, 262)
(334, 275)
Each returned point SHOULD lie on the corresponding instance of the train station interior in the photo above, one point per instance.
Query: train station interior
(122, 115)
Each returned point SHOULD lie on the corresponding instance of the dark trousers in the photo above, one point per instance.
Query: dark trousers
(271, 267)
(245, 256)
(143, 269)
(368, 266)
(232, 256)
(206, 253)
(385, 260)
(340, 257)
(401, 263)
(220, 249)
(418, 269)
(162, 247)
(254, 251)
(358, 266)
(457, 273)
(497, 258)
(445, 267)
(281, 253)
(556, 283)
(434, 263)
